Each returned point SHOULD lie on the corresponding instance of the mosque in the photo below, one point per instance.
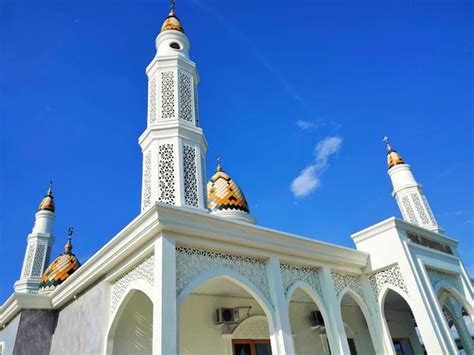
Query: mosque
(194, 274)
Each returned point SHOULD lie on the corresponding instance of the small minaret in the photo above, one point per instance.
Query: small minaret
(173, 144)
(40, 242)
(408, 193)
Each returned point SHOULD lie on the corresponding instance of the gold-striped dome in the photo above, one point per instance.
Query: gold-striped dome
(47, 203)
(60, 269)
(393, 158)
(223, 194)
(172, 23)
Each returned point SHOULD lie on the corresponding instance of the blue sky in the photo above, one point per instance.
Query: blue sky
(278, 80)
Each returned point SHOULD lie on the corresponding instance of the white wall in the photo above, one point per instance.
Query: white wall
(8, 335)
(400, 325)
(134, 334)
(355, 320)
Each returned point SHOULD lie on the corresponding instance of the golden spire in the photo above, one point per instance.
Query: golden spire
(172, 21)
(393, 158)
(219, 165)
(68, 245)
(47, 203)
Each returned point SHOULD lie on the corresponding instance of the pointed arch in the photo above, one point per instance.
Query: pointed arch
(365, 311)
(134, 287)
(444, 289)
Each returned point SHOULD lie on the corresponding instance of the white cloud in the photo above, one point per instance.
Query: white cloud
(306, 125)
(309, 178)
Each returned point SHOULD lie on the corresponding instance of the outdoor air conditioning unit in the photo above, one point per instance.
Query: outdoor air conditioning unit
(227, 315)
(317, 321)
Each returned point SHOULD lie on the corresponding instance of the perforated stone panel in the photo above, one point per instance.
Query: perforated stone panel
(437, 276)
(144, 270)
(147, 181)
(196, 106)
(409, 210)
(391, 276)
(166, 174)
(309, 275)
(152, 101)
(185, 97)
(28, 260)
(341, 281)
(38, 263)
(192, 262)
(420, 209)
(167, 95)
(190, 176)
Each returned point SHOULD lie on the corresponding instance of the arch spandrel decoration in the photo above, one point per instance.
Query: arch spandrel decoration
(437, 277)
(254, 327)
(342, 281)
(390, 276)
(292, 273)
(142, 271)
(192, 262)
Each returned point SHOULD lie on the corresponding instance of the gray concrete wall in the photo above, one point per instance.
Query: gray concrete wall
(8, 335)
(81, 324)
(35, 331)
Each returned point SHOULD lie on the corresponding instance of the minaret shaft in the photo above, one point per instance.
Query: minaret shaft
(173, 145)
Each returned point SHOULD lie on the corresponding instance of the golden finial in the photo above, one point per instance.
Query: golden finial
(172, 21)
(393, 158)
(68, 246)
(219, 165)
(172, 5)
(47, 203)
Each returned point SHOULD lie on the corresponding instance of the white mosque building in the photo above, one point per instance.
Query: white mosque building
(194, 274)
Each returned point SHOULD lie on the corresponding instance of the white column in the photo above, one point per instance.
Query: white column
(281, 321)
(165, 323)
(334, 323)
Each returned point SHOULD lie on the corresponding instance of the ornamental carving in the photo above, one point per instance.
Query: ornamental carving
(152, 101)
(428, 209)
(309, 275)
(341, 281)
(420, 209)
(38, 263)
(417, 239)
(166, 174)
(167, 94)
(190, 176)
(147, 181)
(437, 276)
(254, 327)
(391, 276)
(185, 97)
(190, 263)
(142, 271)
(28, 260)
(409, 210)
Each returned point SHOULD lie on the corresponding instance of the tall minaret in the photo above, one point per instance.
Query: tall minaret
(408, 193)
(40, 242)
(173, 145)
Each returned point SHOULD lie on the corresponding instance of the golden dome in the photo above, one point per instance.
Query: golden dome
(60, 269)
(172, 23)
(47, 203)
(223, 194)
(393, 158)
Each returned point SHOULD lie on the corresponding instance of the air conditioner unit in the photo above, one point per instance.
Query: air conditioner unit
(227, 315)
(317, 321)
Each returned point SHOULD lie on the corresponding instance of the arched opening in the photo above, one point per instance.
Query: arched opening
(132, 328)
(224, 315)
(401, 324)
(308, 323)
(460, 324)
(359, 339)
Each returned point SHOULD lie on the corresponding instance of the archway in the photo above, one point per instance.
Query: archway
(459, 324)
(354, 315)
(308, 321)
(225, 315)
(401, 324)
(132, 329)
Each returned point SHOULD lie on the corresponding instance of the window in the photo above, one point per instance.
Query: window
(402, 346)
(352, 346)
(251, 347)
